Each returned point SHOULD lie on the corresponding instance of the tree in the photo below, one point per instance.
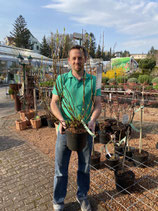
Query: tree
(90, 44)
(20, 33)
(151, 52)
(45, 49)
(147, 65)
(98, 53)
(125, 53)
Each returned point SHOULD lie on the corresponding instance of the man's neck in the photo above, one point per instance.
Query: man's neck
(78, 75)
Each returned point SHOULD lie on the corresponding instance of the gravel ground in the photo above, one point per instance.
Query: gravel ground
(144, 193)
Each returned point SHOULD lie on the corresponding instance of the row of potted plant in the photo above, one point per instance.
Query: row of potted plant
(142, 79)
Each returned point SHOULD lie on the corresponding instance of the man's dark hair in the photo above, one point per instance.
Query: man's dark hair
(79, 47)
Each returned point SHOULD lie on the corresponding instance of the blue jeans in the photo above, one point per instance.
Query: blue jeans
(62, 158)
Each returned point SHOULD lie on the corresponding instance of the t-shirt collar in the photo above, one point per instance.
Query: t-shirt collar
(71, 76)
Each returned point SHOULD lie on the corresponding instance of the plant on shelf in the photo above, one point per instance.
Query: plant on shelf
(149, 87)
(121, 79)
(112, 81)
(105, 80)
(155, 81)
(156, 87)
(11, 92)
(132, 80)
(144, 79)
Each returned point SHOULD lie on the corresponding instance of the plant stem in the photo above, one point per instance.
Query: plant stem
(140, 139)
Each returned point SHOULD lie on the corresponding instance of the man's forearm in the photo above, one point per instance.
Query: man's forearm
(56, 111)
(96, 113)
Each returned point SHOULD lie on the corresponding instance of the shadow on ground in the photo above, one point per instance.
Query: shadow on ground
(7, 142)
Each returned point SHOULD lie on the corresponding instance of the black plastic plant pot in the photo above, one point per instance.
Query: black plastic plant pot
(104, 138)
(113, 161)
(76, 141)
(119, 150)
(140, 158)
(124, 179)
(96, 139)
(50, 123)
(44, 120)
(129, 152)
(95, 160)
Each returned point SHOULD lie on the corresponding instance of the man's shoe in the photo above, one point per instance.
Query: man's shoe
(84, 203)
(58, 207)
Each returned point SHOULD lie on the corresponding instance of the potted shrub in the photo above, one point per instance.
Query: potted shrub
(112, 159)
(124, 178)
(104, 133)
(112, 81)
(76, 135)
(121, 80)
(21, 124)
(11, 92)
(36, 122)
(156, 87)
(132, 82)
(144, 79)
(15, 87)
(105, 80)
(140, 156)
(27, 115)
(155, 81)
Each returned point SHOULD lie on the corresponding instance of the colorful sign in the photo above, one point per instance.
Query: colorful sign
(123, 62)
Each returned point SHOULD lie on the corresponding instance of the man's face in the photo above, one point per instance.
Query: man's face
(76, 60)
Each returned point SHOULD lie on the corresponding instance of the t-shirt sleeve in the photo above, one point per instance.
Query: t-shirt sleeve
(98, 92)
(57, 87)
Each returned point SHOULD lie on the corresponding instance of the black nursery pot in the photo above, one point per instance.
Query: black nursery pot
(129, 153)
(112, 162)
(76, 141)
(119, 149)
(44, 120)
(124, 179)
(95, 159)
(50, 123)
(104, 138)
(140, 158)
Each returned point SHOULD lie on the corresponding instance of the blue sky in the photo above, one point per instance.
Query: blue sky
(128, 25)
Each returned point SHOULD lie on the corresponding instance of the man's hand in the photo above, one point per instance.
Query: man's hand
(91, 125)
(62, 126)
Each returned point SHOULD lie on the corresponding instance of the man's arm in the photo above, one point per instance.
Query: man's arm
(54, 105)
(96, 113)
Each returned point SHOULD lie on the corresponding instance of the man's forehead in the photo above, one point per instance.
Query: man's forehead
(76, 52)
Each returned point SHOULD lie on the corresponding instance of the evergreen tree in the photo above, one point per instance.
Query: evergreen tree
(20, 33)
(45, 49)
(92, 45)
(147, 65)
(151, 52)
(98, 53)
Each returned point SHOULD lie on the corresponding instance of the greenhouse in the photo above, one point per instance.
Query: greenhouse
(9, 62)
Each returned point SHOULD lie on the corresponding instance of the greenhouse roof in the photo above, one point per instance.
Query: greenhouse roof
(11, 53)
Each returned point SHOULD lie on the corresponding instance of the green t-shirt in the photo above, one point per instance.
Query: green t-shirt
(76, 95)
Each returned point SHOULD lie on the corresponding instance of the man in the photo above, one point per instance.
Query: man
(73, 82)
